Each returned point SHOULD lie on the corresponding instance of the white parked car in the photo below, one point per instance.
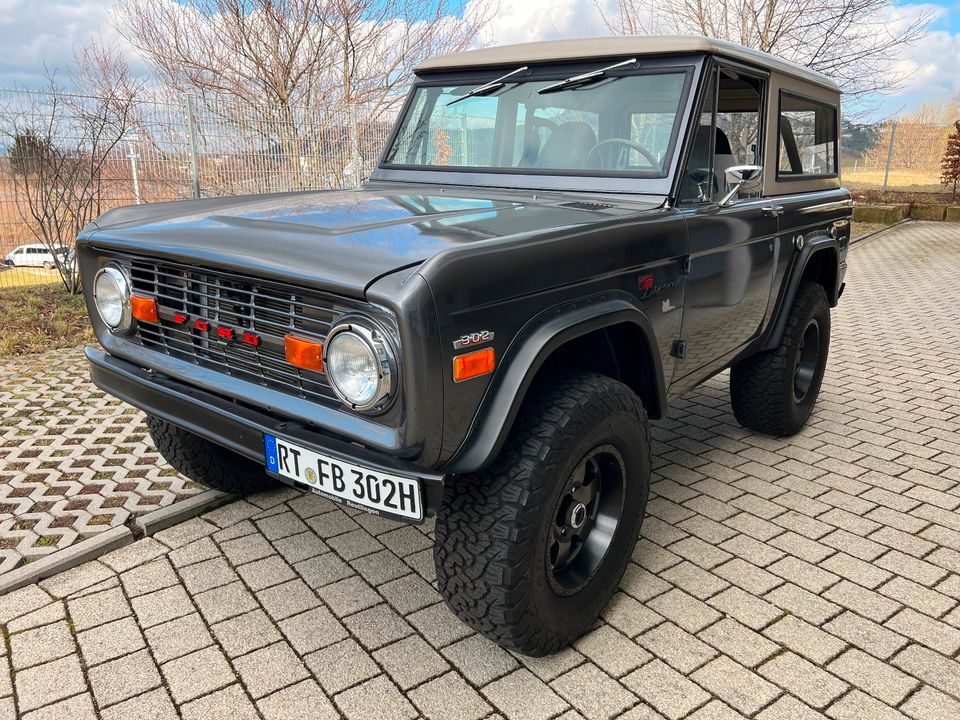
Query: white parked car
(36, 255)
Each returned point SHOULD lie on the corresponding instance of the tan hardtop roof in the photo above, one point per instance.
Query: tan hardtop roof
(602, 47)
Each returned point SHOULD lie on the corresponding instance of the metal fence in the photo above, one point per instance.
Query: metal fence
(153, 150)
(167, 151)
(894, 156)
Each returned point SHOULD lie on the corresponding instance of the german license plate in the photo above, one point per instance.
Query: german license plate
(344, 482)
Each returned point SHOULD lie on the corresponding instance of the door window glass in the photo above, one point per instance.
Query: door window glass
(728, 135)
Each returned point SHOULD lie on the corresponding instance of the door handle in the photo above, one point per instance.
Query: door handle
(773, 210)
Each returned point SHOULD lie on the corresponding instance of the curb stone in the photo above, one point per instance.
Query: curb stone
(870, 235)
(65, 559)
(92, 548)
(153, 522)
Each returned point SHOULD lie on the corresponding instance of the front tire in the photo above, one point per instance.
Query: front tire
(205, 462)
(774, 392)
(529, 550)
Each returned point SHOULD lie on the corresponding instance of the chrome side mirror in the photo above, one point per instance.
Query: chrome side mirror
(741, 177)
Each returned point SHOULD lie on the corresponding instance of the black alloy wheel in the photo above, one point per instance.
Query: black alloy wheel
(585, 519)
(808, 354)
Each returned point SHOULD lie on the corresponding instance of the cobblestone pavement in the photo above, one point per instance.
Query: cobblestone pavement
(776, 579)
(73, 462)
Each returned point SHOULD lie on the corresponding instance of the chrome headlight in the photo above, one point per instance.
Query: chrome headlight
(111, 293)
(360, 364)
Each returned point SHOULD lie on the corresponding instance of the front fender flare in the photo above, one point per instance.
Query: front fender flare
(527, 353)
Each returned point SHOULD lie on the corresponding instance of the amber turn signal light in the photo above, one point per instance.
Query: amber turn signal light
(144, 308)
(307, 354)
(473, 364)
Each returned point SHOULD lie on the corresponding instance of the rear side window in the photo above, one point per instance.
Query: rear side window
(808, 138)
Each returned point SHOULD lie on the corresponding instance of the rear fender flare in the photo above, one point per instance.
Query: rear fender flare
(526, 355)
(813, 245)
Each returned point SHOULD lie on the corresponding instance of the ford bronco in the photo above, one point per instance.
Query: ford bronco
(558, 239)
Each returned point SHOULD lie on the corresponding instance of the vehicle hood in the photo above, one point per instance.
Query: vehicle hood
(342, 241)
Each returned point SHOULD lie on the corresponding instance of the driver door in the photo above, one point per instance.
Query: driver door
(732, 248)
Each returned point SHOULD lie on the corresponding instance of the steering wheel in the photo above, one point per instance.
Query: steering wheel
(649, 156)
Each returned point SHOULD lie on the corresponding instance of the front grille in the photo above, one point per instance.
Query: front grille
(243, 304)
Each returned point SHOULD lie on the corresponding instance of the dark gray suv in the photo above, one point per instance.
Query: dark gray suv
(558, 239)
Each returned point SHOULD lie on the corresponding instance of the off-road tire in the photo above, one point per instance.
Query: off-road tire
(762, 386)
(491, 530)
(205, 462)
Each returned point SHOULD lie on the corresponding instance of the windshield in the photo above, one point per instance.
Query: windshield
(617, 124)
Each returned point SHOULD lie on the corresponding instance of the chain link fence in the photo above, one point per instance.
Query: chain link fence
(66, 158)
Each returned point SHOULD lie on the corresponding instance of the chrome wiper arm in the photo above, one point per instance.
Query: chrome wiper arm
(487, 87)
(585, 77)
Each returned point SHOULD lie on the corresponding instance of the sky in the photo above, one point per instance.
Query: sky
(34, 33)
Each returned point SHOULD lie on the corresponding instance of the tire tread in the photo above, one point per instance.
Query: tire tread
(488, 522)
(761, 386)
(205, 462)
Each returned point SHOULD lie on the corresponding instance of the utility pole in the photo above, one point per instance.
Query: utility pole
(133, 156)
(192, 138)
(886, 173)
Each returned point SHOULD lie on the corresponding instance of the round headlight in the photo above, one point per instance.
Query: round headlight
(111, 292)
(359, 365)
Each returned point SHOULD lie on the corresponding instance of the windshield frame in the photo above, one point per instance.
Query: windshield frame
(631, 181)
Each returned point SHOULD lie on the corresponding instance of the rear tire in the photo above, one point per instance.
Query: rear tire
(205, 462)
(577, 466)
(774, 392)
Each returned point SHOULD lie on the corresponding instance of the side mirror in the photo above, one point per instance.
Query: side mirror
(741, 177)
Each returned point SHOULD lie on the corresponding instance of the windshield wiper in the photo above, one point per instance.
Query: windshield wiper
(489, 87)
(588, 77)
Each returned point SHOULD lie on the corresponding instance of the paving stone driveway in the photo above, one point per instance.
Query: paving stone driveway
(73, 461)
(775, 579)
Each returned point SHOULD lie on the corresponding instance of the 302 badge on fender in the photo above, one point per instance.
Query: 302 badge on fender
(475, 338)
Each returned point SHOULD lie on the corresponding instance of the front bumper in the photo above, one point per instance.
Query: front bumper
(236, 426)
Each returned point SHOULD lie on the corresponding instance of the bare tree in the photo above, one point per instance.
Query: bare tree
(298, 59)
(914, 141)
(265, 51)
(855, 42)
(379, 42)
(61, 147)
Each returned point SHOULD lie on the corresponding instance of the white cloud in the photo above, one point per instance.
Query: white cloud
(34, 33)
(529, 20)
(930, 72)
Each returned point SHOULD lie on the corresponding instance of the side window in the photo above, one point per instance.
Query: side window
(808, 138)
(728, 134)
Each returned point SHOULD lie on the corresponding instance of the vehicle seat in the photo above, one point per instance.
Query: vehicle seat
(568, 147)
(723, 158)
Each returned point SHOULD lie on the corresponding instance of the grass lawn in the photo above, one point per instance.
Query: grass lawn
(38, 318)
(18, 276)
